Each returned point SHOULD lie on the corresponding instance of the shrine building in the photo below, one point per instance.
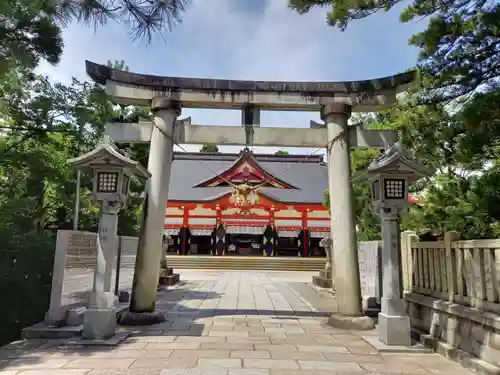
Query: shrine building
(247, 204)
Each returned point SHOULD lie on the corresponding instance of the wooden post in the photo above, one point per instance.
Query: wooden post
(451, 264)
(480, 290)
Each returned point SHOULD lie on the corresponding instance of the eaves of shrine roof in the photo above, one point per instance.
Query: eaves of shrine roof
(308, 174)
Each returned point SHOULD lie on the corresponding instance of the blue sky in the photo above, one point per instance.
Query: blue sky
(249, 39)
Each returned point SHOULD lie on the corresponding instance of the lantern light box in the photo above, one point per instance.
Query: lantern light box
(390, 175)
(111, 171)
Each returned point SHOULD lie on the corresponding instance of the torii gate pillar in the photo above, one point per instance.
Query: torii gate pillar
(343, 222)
(143, 300)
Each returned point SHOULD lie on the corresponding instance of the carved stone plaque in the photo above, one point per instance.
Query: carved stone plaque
(369, 253)
(79, 268)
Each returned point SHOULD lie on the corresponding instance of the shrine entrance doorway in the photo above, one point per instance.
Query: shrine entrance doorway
(201, 244)
(245, 244)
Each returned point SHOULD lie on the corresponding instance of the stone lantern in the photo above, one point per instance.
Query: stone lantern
(390, 175)
(111, 172)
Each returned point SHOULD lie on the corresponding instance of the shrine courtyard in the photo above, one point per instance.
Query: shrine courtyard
(233, 323)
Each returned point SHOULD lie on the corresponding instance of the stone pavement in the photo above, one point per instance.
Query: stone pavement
(229, 323)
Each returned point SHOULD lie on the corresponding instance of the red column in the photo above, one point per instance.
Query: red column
(185, 224)
(304, 233)
(218, 215)
(185, 219)
(273, 227)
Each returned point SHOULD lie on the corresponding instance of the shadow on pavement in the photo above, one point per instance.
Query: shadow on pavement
(181, 321)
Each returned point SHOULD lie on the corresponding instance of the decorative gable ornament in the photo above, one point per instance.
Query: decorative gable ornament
(246, 170)
(390, 174)
(111, 171)
(244, 195)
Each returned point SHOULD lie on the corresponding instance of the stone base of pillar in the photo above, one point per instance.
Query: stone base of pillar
(169, 280)
(123, 296)
(168, 277)
(324, 279)
(129, 318)
(394, 330)
(370, 306)
(99, 320)
(99, 324)
(359, 323)
(383, 348)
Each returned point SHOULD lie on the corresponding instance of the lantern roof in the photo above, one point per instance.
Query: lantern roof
(106, 154)
(395, 161)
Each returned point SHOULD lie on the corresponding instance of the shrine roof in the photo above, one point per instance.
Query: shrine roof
(308, 174)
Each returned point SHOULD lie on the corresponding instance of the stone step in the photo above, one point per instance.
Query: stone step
(42, 331)
(246, 263)
(322, 282)
(73, 327)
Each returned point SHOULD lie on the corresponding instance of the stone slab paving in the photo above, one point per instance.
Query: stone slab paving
(228, 323)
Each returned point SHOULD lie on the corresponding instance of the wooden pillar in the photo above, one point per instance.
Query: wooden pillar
(275, 232)
(216, 246)
(304, 236)
(303, 243)
(220, 240)
(307, 241)
(268, 241)
(178, 243)
(276, 241)
(183, 235)
(185, 218)
(218, 215)
(213, 249)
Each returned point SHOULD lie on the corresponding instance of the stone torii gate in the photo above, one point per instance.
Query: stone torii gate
(166, 96)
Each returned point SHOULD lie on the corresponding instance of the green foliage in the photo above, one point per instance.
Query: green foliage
(145, 19)
(30, 30)
(26, 263)
(463, 206)
(27, 34)
(281, 152)
(459, 49)
(40, 121)
(367, 222)
(42, 124)
(462, 146)
(208, 148)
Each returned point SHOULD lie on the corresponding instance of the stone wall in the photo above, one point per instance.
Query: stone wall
(462, 329)
(452, 291)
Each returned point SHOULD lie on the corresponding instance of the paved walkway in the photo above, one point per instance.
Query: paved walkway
(229, 323)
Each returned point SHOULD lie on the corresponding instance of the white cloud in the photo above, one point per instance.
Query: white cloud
(221, 40)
